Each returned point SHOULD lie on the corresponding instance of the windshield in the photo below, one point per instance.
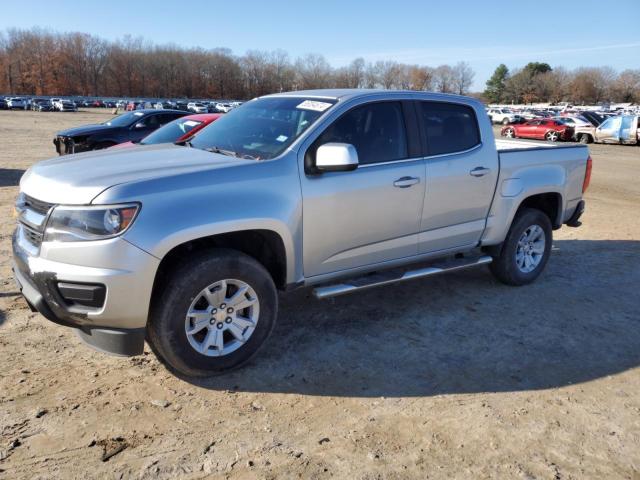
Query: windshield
(125, 119)
(170, 132)
(262, 128)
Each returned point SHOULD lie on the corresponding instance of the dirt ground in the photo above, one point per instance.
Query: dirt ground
(450, 377)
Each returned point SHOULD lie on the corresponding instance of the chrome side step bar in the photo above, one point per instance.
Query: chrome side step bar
(397, 275)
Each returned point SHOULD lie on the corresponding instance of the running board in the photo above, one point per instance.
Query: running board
(397, 275)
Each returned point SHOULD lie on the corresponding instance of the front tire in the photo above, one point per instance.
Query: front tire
(525, 251)
(213, 314)
(505, 121)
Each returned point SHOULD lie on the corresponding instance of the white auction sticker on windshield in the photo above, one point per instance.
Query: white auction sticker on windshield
(282, 138)
(314, 105)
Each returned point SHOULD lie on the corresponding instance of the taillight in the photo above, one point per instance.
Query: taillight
(587, 175)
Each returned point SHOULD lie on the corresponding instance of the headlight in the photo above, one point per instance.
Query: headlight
(79, 224)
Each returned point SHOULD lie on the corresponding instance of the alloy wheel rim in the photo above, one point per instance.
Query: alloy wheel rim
(222, 317)
(530, 249)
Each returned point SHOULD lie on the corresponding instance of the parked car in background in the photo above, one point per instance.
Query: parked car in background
(503, 116)
(542, 129)
(623, 129)
(179, 130)
(40, 105)
(3, 104)
(130, 126)
(197, 107)
(182, 105)
(65, 105)
(574, 122)
(15, 103)
(592, 117)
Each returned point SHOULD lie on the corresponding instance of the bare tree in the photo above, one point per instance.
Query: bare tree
(313, 71)
(443, 77)
(463, 76)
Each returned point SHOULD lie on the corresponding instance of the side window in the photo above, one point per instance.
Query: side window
(376, 130)
(449, 127)
(150, 122)
(167, 117)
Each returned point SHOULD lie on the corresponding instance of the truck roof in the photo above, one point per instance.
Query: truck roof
(349, 93)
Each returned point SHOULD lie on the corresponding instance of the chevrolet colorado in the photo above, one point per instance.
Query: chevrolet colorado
(186, 245)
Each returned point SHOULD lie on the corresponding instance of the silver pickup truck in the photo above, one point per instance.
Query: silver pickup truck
(187, 245)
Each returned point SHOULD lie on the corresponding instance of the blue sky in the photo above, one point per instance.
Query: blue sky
(481, 32)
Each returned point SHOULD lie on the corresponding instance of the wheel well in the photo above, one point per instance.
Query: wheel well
(265, 246)
(549, 203)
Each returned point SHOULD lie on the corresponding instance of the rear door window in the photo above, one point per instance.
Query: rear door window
(448, 127)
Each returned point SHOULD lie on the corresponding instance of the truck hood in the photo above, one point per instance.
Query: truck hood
(78, 179)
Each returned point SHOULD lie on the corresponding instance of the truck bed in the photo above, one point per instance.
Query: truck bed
(509, 145)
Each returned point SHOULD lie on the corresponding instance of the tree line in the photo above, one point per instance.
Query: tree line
(42, 62)
(538, 82)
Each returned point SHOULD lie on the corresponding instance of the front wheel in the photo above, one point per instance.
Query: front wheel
(584, 138)
(525, 251)
(505, 121)
(213, 314)
(510, 133)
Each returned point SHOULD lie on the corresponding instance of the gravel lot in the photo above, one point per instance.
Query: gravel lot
(451, 377)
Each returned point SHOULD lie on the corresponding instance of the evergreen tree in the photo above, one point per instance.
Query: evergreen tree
(495, 85)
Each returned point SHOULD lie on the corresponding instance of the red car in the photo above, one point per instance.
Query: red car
(179, 130)
(540, 128)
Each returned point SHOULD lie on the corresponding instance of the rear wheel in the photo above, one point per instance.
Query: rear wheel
(552, 136)
(525, 251)
(213, 314)
(505, 121)
(584, 138)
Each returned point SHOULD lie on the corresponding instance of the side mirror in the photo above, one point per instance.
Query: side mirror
(336, 157)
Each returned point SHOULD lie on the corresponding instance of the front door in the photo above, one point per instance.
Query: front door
(369, 215)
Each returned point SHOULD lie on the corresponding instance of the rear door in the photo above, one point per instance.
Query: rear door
(461, 176)
(372, 214)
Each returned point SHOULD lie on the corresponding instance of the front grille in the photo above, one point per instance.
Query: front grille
(34, 237)
(37, 205)
(32, 218)
(64, 145)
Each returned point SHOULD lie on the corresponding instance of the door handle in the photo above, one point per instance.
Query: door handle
(479, 171)
(406, 182)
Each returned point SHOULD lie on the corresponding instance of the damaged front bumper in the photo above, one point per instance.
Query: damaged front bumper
(107, 304)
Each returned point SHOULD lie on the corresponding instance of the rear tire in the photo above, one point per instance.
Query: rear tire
(186, 340)
(525, 251)
(584, 138)
(505, 121)
(552, 136)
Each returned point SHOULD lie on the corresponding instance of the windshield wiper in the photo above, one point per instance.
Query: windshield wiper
(230, 153)
(183, 143)
(222, 151)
